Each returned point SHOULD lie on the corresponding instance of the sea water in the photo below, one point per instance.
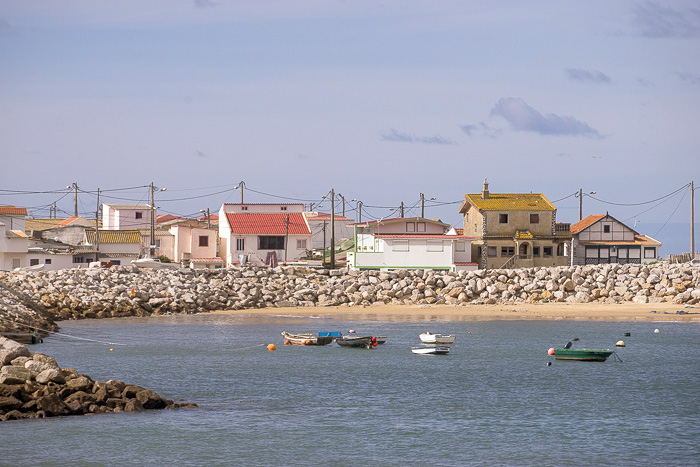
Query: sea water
(493, 400)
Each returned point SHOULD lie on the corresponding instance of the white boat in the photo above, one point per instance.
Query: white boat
(437, 350)
(154, 263)
(36, 267)
(430, 338)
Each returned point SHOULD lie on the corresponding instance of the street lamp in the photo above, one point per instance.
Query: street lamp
(422, 204)
(152, 246)
(359, 209)
(240, 186)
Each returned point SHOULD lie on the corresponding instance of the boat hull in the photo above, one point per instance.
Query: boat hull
(305, 339)
(438, 350)
(583, 355)
(345, 341)
(441, 339)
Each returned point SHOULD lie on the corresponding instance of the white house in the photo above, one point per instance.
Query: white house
(13, 217)
(121, 246)
(126, 216)
(195, 246)
(13, 248)
(410, 243)
(601, 238)
(258, 231)
(320, 223)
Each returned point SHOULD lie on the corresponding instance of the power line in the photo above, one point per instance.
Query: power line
(639, 204)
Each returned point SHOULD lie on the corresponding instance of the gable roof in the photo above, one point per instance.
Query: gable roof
(586, 222)
(13, 210)
(508, 202)
(114, 236)
(41, 224)
(267, 223)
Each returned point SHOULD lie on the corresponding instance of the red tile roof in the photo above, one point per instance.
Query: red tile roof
(13, 210)
(267, 223)
(68, 221)
(585, 223)
(206, 260)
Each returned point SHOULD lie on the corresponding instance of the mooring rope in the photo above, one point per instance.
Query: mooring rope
(61, 333)
(249, 347)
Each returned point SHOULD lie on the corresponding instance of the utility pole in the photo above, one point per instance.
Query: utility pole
(359, 205)
(580, 204)
(332, 228)
(97, 228)
(240, 187)
(422, 205)
(324, 244)
(692, 220)
(152, 246)
(75, 188)
(401, 208)
(208, 217)
(286, 239)
(343, 198)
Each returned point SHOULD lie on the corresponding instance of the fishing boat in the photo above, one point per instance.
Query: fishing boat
(305, 339)
(430, 338)
(359, 341)
(153, 263)
(437, 350)
(585, 355)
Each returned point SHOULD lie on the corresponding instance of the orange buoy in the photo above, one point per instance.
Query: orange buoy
(551, 351)
(271, 347)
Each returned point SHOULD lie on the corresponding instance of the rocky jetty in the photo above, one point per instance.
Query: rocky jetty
(129, 291)
(32, 385)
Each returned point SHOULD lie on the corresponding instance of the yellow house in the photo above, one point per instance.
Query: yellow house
(515, 230)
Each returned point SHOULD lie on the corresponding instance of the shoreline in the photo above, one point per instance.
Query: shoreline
(628, 312)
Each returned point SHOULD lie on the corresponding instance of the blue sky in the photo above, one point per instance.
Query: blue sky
(382, 100)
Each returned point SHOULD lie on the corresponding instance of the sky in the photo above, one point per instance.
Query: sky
(380, 100)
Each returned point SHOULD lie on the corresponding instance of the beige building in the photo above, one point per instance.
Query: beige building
(515, 230)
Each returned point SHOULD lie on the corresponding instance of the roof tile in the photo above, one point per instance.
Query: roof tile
(510, 202)
(268, 223)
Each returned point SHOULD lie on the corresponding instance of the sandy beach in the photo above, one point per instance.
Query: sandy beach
(522, 311)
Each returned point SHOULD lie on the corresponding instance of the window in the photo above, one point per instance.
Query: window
(33, 262)
(492, 251)
(507, 250)
(47, 261)
(283, 208)
(400, 245)
(535, 251)
(503, 218)
(139, 215)
(240, 244)
(466, 217)
(650, 252)
(460, 246)
(410, 226)
(244, 208)
(420, 227)
(547, 251)
(606, 228)
(434, 245)
(271, 243)
(158, 243)
(78, 259)
(534, 218)
(301, 244)
(474, 228)
(203, 240)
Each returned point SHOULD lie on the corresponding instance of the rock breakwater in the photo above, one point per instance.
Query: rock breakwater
(129, 291)
(32, 385)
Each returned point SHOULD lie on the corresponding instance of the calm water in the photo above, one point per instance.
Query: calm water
(492, 401)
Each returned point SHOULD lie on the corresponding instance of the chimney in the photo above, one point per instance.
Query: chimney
(485, 191)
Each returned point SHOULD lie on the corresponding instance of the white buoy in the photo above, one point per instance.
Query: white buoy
(656, 331)
(620, 344)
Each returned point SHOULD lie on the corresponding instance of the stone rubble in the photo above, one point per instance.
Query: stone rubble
(33, 385)
(130, 291)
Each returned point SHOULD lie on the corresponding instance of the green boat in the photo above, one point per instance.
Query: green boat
(586, 355)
